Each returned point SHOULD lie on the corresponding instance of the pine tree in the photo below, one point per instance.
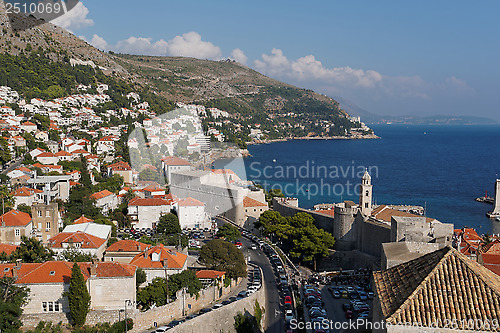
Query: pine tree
(78, 297)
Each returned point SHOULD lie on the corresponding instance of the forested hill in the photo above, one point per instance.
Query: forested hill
(252, 99)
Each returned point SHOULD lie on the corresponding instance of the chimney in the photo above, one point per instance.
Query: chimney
(165, 263)
(16, 268)
(93, 269)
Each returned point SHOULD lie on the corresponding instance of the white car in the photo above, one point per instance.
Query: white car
(162, 329)
(254, 247)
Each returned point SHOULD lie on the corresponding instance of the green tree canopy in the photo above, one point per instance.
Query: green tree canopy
(154, 293)
(73, 255)
(168, 224)
(185, 279)
(12, 298)
(140, 277)
(223, 256)
(229, 232)
(32, 250)
(78, 297)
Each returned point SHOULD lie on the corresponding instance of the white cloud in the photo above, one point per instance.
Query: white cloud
(188, 45)
(74, 19)
(139, 45)
(239, 56)
(191, 45)
(99, 42)
(309, 71)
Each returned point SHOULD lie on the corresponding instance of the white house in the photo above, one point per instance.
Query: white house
(47, 158)
(28, 126)
(145, 213)
(27, 196)
(174, 164)
(109, 284)
(79, 241)
(191, 213)
(105, 200)
(160, 261)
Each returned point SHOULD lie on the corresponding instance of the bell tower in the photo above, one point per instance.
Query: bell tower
(496, 203)
(365, 194)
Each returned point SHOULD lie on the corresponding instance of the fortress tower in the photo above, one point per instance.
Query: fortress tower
(496, 203)
(365, 194)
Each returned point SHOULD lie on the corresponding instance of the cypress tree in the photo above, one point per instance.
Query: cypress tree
(78, 297)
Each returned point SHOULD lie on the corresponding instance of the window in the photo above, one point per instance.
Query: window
(56, 306)
(18, 232)
(366, 205)
(47, 213)
(52, 273)
(48, 225)
(39, 213)
(367, 193)
(51, 306)
(6, 269)
(44, 306)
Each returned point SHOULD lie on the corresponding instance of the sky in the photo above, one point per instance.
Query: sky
(389, 57)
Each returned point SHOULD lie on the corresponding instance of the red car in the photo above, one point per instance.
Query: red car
(288, 300)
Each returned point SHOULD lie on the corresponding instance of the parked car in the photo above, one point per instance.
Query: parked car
(162, 329)
(288, 300)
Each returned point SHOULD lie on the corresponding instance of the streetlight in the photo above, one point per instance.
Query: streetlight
(130, 303)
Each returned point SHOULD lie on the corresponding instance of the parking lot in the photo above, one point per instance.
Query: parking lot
(338, 303)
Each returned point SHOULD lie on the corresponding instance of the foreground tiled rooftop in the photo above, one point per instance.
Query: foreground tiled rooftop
(437, 287)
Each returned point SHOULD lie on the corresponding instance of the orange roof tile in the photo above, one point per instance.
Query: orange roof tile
(385, 213)
(8, 248)
(25, 192)
(120, 166)
(28, 123)
(46, 154)
(127, 245)
(190, 202)
(82, 219)
(101, 194)
(174, 259)
(249, 202)
(87, 241)
(15, 218)
(148, 202)
(326, 211)
(60, 271)
(174, 160)
(209, 274)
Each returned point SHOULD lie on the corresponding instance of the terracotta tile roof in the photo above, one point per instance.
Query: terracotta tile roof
(47, 154)
(249, 202)
(385, 213)
(148, 202)
(24, 169)
(174, 259)
(80, 151)
(120, 166)
(28, 123)
(209, 274)
(127, 245)
(60, 271)
(190, 202)
(82, 219)
(62, 153)
(326, 211)
(223, 171)
(101, 194)
(174, 160)
(437, 287)
(87, 241)
(25, 192)
(492, 262)
(15, 218)
(8, 248)
(108, 269)
(153, 188)
(470, 235)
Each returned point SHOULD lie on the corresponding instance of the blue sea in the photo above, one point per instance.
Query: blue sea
(441, 168)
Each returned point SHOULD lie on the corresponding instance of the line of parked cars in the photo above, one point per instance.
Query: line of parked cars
(315, 304)
(352, 292)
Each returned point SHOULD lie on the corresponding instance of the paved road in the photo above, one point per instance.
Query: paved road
(274, 315)
(13, 166)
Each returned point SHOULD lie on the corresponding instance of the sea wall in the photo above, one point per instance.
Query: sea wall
(371, 235)
(222, 319)
(323, 221)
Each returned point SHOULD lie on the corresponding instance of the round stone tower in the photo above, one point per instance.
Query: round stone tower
(343, 225)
